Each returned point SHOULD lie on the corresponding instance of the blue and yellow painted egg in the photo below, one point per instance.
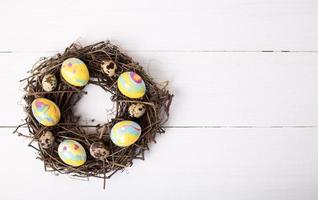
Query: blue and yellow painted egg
(125, 133)
(72, 153)
(75, 72)
(46, 112)
(131, 85)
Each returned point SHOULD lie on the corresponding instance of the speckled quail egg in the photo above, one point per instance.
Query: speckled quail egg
(98, 150)
(49, 82)
(109, 67)
(137, 110)
(46, 140)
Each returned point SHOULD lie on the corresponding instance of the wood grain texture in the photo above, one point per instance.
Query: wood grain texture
(186, 25)
(227, 164)
(212, 89)
(216, 56)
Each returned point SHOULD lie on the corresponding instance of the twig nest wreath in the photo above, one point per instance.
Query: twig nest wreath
(49, 82)
(56, 85)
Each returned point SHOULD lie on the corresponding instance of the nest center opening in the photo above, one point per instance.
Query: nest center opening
(95, 107)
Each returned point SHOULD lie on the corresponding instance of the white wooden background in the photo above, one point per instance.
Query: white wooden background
(244, 121)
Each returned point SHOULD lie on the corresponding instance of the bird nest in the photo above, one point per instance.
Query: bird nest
(105, 62)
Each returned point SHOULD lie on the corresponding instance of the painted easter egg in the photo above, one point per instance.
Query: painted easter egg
(46, 112)
(125, 133)
(75, 72)
(131, 85)
(72, 153)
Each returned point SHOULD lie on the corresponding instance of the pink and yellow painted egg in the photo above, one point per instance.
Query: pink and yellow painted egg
(131, 85)
(46, 112)
(125, 133)
(75, 72)
(72, 153)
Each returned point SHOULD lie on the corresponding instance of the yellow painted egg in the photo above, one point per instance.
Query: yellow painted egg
(75, 72)
(46, 112)
(125, 133)
(72, 153)
(131, 85)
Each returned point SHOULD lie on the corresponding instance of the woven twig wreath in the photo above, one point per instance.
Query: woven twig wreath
(55, 86)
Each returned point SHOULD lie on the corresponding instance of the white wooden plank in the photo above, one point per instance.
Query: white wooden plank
(227, 164)
(212, 89)
(184, 25)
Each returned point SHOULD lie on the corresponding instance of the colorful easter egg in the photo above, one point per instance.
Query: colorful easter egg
(75, 72)
(125, 133)
(131, 85)
(46, 111)
(72, 153)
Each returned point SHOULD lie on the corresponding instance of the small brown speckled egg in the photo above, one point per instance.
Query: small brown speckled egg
(136, 110)
(98, 150)
(109, 67)
(49, 82)
(46, 140)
